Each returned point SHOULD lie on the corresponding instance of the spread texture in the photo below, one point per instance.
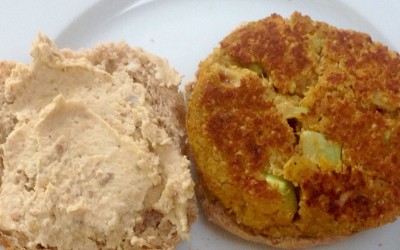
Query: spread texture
(93, 159)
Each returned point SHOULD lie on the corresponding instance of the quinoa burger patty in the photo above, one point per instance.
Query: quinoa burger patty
(295, 130)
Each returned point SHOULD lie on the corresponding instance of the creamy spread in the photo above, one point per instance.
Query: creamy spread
(88, 156)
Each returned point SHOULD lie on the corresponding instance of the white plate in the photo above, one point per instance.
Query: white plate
(185, 31)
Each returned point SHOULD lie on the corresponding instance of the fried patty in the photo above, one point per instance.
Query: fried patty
(295, 128)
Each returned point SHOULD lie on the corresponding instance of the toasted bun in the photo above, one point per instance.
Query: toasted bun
(295, 131)
(92, 151)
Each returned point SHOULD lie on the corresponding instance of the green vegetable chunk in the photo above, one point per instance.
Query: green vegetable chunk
(286, 189)
(321, 151)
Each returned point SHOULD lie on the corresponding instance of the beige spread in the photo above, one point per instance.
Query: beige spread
(87, 156)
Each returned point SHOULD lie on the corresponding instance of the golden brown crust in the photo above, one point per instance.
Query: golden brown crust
(218, 215)
(347, 87)
(254, 144)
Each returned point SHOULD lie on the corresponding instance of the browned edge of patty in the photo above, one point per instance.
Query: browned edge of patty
(217, 214)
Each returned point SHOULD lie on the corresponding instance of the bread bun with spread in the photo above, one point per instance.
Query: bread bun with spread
(92, 153)
(295, 131)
